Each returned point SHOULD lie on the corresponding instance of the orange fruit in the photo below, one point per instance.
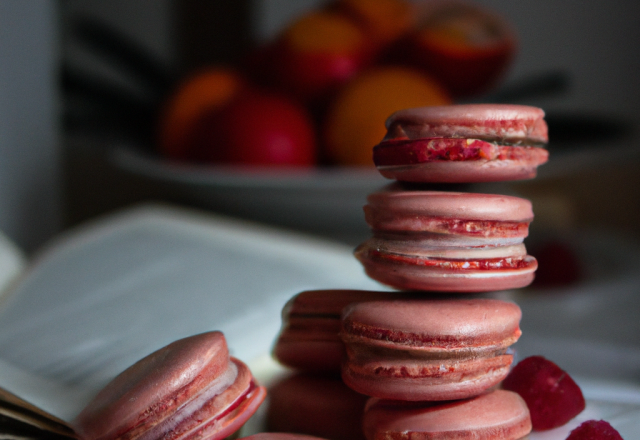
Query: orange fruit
(355, 120)
(318, 53)
(203, 93)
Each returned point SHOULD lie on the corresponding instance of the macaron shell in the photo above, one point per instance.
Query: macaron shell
(406, 276)
(308, 339)
(390, 208)
(217, 417)
(434, 324)
(476, 171)
(220, 417)
(317, 405)
(150, 390)
(444, 380)
(279, 436)
(428, 350)
(495, 415)
(502, 122)
(326, 302)
(310, 355)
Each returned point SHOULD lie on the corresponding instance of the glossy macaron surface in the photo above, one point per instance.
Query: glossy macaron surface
(320, 405)
(308, 339)
(434, 325)
(463, 143)
(447, 241)
(496, 415)
(449, 214)
(503, 122)
(432, 349)
(164, 390)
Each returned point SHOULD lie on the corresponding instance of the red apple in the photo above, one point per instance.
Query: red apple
(259, 128)
(202, 93)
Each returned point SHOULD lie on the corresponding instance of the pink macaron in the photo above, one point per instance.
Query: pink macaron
(496, 415)
(190, 389)
(317, 405)
(308, 339)
(279, 436)
(447, 241)
(430, 349)
(463, 143)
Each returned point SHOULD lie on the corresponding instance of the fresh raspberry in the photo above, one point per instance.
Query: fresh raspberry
(551, 394)
(595, 430)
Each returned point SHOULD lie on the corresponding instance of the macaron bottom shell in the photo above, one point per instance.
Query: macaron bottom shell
(310, 355)
(476, 171)
(497, 415)
(215, 418)
(407, 275)
(428, 380)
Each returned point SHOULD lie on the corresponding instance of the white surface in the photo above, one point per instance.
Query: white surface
(107, 295)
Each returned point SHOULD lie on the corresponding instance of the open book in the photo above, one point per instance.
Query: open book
(104, 295)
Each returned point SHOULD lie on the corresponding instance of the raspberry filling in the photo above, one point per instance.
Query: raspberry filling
(409, 152)
(505, 263)
(384, 220)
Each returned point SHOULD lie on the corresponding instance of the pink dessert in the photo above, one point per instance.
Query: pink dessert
(279, 436)
(495, 415)
(308, 339)
(551, 394)
(463, 143)
(431, 349)
(190, 389)
(447, 241)
(595, 430)
(316, 405)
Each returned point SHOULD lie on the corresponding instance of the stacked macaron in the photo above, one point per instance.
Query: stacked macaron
(431, 358)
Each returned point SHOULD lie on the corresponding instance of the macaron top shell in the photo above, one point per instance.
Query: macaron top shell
(499, 122)
(455, 205)
(499, 414)
(326, 303)
(149, 389)
(433, 324)
(279, 436)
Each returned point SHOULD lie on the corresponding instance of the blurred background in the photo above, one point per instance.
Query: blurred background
(104, 104)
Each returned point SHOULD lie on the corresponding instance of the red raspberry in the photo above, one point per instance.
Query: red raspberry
(595, 430)
(551, 394)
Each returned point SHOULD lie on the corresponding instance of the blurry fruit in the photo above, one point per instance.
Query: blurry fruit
(316, 54)
(384, 21)
(203, 93)
(595, 430)
(551, 394)
(464, 47)
(258, 128)
(355, 120)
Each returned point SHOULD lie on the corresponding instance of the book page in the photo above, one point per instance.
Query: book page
(108, 294)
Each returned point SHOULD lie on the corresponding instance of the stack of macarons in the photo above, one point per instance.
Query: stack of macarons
(431, 357)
